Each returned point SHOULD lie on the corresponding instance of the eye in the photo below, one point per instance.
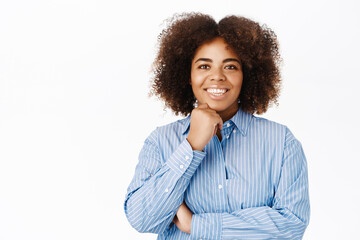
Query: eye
(231, 67)
(204, 66)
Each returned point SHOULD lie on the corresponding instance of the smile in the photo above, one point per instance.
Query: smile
(216, 91)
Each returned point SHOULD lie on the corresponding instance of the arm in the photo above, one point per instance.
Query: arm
(287, 218)
(157, 190)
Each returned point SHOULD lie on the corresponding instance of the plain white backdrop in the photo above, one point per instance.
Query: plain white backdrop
(74, 110)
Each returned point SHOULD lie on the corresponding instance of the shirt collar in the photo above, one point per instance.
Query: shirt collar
(241, 119)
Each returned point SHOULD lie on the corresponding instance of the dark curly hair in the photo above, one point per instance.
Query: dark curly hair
(255, 45)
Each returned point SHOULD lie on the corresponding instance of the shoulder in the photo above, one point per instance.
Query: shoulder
(170, 130)
(176, 126)
(267, 125)
(272, 129)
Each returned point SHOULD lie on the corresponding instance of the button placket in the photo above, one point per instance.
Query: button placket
(221, 199)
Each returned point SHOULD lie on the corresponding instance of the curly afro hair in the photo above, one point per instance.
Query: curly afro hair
(255, 45)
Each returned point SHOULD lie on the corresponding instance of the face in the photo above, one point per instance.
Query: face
(216, 76)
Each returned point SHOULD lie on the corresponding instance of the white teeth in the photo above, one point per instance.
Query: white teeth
(216, 91)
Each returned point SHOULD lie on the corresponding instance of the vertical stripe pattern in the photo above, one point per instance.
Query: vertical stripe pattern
(253, 184)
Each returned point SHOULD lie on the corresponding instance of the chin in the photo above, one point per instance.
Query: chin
(217, 107)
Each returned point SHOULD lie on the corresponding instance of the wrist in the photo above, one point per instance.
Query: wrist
(194, 146)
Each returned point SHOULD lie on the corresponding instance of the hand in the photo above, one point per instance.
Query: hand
(183, 218)
(204, 125)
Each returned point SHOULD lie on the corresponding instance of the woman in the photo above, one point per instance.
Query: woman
(221, 172)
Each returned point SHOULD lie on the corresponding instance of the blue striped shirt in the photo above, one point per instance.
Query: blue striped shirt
(251, 185)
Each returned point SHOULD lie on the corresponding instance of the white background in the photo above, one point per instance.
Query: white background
(74, 111)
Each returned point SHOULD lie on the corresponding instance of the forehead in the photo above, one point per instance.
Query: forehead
(216, 47)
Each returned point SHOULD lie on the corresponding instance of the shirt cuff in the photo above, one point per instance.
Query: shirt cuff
(185, 160)
(206, 226)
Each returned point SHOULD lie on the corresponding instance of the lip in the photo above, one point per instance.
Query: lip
(216, 87)
(214, 97)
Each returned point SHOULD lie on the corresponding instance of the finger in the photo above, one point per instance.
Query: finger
(180, 209)
(216, 119)
(203, 106)
(221, 123)
(215, 130)
(175, 219)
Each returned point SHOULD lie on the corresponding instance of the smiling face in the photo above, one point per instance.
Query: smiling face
(216, 77)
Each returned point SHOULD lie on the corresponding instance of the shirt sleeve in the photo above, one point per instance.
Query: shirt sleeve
(157, 190)
(286, 218)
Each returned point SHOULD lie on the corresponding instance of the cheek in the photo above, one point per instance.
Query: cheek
(196, 88)
(196, 81)
(238, 80)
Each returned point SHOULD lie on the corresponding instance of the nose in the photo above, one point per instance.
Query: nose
(217, 75)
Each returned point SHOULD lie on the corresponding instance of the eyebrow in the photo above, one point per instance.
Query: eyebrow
(225, 61)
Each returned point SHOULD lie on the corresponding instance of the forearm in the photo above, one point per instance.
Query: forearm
(152, 206)
(252, 223)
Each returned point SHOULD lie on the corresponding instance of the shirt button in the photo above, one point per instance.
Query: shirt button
(220, 186)
(234, 131)
(227, 136)
(166, 190)
(228, 124)
(181, 166)
(186, 157)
